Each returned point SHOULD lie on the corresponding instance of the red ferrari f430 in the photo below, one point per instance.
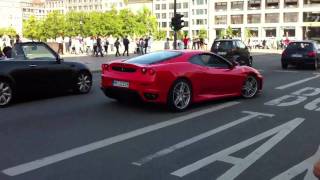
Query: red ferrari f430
(179, 78)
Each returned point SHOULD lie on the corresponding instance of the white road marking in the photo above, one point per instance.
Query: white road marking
(285, 71)
(300, 168)
(278, 133)
(297, 82)
(199, 137)
(36, 164)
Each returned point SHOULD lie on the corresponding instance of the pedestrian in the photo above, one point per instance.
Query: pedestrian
(99, 47)
(106, 45)
(18, 40)
(264, 44)
(185, 42)
(167, 44)
(126, 43)
(141, 46)
(60, 45)
(146, 45)
(95, 47)
(111, 41)
(117, 45)
(316, 169)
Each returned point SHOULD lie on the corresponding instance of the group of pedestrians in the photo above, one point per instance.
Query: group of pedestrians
(6, 44)
(143, 45)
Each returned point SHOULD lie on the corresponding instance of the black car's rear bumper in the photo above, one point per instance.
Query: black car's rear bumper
(298, 61)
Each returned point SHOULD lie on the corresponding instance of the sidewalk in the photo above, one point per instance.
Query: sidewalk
(267, 51)
(94, 63)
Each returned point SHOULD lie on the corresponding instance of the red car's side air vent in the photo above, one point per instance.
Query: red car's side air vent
(123, 69)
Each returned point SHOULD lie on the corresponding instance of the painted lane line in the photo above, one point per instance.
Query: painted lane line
(199, 137)
(240, 165)
(36, 164)
(297, 82)
(283, 71)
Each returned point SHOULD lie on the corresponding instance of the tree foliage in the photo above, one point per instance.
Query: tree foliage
(8, 31)
(116, 23)
(203, 33)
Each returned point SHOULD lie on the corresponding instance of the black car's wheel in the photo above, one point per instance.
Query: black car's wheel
(6, 93)
(284, 65)
(180, 95)
(250, 87)
(83, 83)
(315, 65)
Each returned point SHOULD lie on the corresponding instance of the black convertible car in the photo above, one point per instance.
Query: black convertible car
(35, 68)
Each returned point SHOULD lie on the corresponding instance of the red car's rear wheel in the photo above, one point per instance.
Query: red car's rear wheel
(180, 95)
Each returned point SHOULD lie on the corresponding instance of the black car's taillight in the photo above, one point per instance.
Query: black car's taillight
(312, 54)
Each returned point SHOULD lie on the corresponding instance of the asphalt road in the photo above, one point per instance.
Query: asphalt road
(90, 137)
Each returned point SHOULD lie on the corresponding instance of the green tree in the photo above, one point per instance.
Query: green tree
(229, 32)
(160, 35)
(247, 33)
(203, 33)
(147, 22)
(30, 28)
(8, 31)
(54, 24)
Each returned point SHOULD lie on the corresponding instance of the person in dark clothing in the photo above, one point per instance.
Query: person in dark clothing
(106, 45)
(146, 45)
(117, 45)
(7, 51)
(99, 47)
(126, 46)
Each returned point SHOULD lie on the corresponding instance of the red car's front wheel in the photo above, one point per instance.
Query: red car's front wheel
(250, 87)
(180, 95)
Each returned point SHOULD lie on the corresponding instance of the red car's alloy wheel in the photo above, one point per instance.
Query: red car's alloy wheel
(250, 87)
(180, 95)
(5, 93)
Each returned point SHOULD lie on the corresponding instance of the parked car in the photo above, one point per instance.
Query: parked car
(232, 50)
(179, 78)
(35, 68)
(301, 53)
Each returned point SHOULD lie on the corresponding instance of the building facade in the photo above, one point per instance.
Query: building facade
(263, 19)
(11, 14)
(33, 8)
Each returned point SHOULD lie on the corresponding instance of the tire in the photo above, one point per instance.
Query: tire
(6, 93)
(250, 87)
(83, 83)
(284, 65)
(180, 96)
(315, 65)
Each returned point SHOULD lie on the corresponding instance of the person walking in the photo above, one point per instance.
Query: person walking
(117, 45)
(60, 45)
(141, 46)
(146, 43)
(126, 43)
(99, 47)
(167, 44)
(185, 42)
(106, 45)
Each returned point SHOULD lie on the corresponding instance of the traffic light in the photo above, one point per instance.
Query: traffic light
(177, 23)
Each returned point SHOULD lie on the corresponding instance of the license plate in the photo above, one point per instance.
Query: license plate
(222, 53)
(296, 55)
(123, 84)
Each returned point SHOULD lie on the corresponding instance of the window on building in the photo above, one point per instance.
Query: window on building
(171, 6)
(236, 19)
(254, 4)
(185, 5)
(170, 15)
(254, 18)
(290, 17)
(157, 6)
(158, 15)
(163, 6)
(311, 2)
(201, 11)
(221, 6)
(237, 5)
(254, 32)
(290, 3)
(311, 16)
(185, 14)
(221, 19)
(178, 5)
(236, 32)
(201, 2)
(271, 32)
(289, 32)
(164, 24)
(272, 4)
(272, 18)
(164, 15)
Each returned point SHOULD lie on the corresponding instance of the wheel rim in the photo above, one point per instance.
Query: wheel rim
(250, 87)
(181, 95)
(84, 83)
(5, 93)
